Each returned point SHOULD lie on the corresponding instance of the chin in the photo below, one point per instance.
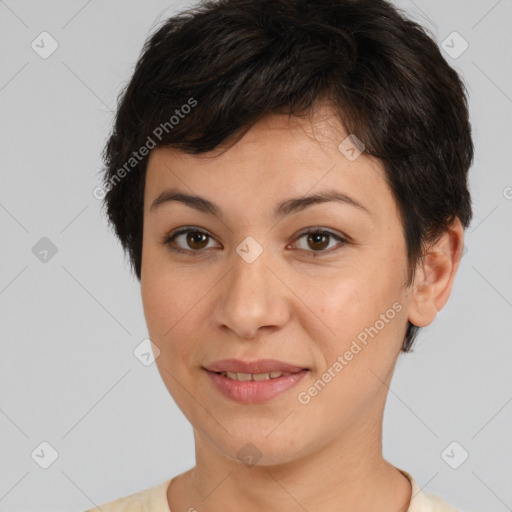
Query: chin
(259, 448)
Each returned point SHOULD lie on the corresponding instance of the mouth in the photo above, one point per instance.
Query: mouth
(251, 382)
(254, 388)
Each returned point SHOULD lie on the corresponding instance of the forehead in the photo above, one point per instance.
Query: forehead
(278, 158)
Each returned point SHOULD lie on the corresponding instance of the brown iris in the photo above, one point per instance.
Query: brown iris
(195, 237)
(314, 239)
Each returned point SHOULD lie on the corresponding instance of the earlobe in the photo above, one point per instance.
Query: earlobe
(435, 276)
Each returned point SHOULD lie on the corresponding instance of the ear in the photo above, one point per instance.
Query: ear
(435, 275)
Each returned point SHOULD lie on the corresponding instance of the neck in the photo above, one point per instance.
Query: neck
(341, 476)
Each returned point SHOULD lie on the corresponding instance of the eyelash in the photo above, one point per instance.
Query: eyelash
(168, 239)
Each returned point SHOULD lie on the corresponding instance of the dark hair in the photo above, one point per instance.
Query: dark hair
(208, 74)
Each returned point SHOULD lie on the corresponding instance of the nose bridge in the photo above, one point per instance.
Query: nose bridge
(252, 297)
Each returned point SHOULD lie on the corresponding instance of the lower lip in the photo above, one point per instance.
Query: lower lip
(254, 391)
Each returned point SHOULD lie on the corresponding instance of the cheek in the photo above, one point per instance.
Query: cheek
(344, 301)
(173, 305)
(358, 305)
(156, 303)
(361, 352)
(163, 311)
(161, 291)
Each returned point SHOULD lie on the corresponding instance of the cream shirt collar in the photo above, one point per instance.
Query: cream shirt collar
(154, 499)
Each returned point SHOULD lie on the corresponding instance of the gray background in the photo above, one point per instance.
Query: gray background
(68, 375)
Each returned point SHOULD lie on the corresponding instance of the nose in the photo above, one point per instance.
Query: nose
(252, 298)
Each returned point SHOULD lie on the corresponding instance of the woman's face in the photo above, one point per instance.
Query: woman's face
(253, 284)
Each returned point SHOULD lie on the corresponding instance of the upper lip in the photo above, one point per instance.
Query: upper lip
(259, 366)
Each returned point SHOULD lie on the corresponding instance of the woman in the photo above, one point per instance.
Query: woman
(289, 180)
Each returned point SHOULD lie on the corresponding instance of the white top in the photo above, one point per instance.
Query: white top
(154, 499)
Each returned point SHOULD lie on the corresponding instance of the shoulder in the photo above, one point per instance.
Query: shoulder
(424, 502)
(152, 499)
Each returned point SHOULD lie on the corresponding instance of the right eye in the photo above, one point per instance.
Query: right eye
(194, 238)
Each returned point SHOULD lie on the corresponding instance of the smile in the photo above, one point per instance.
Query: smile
(253, 388)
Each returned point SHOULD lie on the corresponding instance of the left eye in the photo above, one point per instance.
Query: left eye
(197, 240)
(319, 240)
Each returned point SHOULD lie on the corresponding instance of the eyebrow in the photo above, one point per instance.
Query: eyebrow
(287, 207)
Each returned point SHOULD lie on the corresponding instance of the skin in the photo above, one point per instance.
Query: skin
(287, 305)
